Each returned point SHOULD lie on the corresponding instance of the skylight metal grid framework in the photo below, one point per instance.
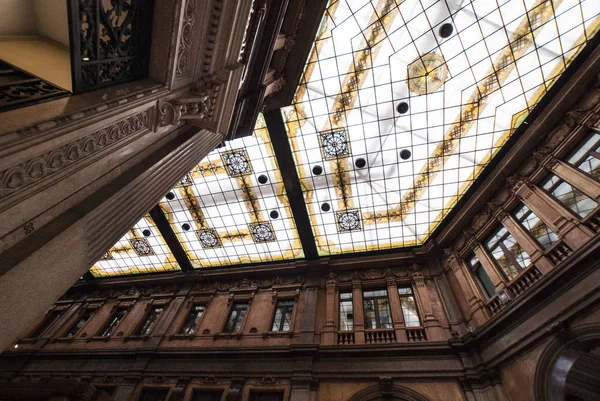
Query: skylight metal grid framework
(466, 95)
(142, 250)
(232, 208)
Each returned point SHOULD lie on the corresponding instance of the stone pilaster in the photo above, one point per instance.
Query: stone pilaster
(329, 330)
(430, 322)
(489, 265)
(359, 314)
(576, 178)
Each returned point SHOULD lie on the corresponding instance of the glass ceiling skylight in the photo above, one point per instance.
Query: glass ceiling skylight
(232, 208)
(141, 250)
(402, 103)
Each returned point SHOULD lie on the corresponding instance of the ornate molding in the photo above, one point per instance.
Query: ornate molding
(187, 37)
(199, 106)
(40, 168)
(211, 35)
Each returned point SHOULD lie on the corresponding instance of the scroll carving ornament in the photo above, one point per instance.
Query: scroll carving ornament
(40, 168)
(199, 105)
(187, 37)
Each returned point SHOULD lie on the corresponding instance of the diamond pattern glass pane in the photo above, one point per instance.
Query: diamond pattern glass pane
(232, 208)
(142, 250)
(569, 196)
(399, 118)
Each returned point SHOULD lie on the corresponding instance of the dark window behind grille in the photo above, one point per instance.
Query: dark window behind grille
(110, 41)
(110, 390)
(154, 394)
(87, 315)
(151, 318)
(192, 320)
(377, 310)
(201, 395)
(236, 318)
(113, 322)
(346, 311)
(266, 396)
(283, 316)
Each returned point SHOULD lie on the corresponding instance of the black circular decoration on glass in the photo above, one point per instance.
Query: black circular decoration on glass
(263, 179)
(146, 233)
(402, 107)
(185, 226)
(317, 170)
(325, 207)
(446, 30)
(405, 154)
(274, 214)
(170, 196)
(360, 162)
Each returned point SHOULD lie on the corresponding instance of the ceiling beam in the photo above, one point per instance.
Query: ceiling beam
(285, 160)
(171, 239)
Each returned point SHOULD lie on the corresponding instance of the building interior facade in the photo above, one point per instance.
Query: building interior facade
(299, 200)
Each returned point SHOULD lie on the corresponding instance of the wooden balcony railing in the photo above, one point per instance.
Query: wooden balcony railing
(380, 336)
(345, 337)
(525, 280)
(558, 252)
(415, 334)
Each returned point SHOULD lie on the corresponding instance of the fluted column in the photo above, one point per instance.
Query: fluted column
(575, 177)
(526, 241)
(359, 315)
(471, 292)
(553, 213)
(489, 265)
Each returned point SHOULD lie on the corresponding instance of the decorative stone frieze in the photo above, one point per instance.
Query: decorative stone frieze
(43, 167)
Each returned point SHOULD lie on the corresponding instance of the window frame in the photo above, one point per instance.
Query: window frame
(277, 302)
(126, 308)
(412, 294)
(548, 178)
(188, 310)
(377, 315)
(590, 152)
(232, 304)
(523, 218)
(150, 308)
(278, 295)
(505, 251)
(74, 322)
(472, 269)
(339, 309)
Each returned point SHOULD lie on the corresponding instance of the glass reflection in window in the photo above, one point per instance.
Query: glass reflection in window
(283, 316)
(569, 196)
(236, 318)
(409, 307)
(507, 252)
(536, 227)
(192, 319)
(377, 310)
(346, 311)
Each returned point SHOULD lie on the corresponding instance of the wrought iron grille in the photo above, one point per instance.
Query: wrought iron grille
(110, 41)
(19, 88)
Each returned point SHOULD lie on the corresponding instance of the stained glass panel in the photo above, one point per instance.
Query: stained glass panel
(403, 103)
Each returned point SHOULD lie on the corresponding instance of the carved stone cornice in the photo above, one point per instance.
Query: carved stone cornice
(43, 167)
